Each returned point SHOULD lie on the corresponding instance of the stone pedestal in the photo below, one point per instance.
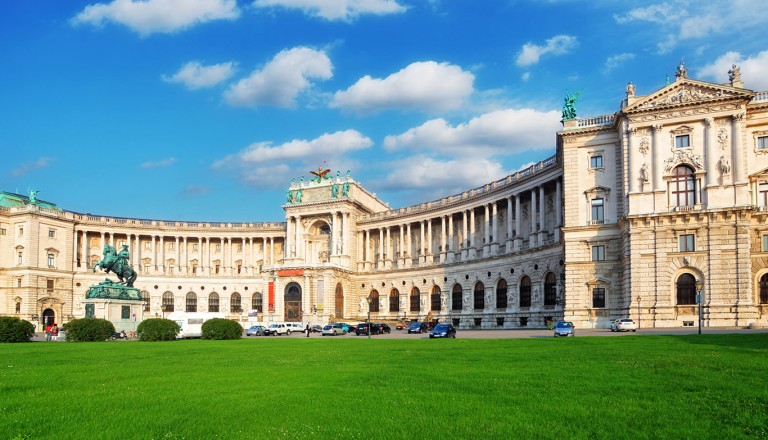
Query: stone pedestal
(119, 304)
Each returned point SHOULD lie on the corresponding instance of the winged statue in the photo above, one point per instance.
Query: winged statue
(321, 174)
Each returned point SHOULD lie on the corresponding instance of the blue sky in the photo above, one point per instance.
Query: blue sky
(203, 110)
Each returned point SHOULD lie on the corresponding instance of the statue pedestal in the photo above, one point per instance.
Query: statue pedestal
(119, 304)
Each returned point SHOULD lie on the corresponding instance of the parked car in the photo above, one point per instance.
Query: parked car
(624, 324)
(316, 328)
(256, 330)
(362, 329)
(276, 328)
(295, 327)
(334, 329)
(565, 328)
(400, 326)
(383, 328)
(417, 327)
(348, 328)
(443, 331)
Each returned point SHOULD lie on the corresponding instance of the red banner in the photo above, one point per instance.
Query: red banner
(290, 273)
(271, 296)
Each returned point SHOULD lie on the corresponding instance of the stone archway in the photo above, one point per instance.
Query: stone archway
(49, 317)
(292, 301)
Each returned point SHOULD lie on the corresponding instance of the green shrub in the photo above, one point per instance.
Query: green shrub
(158, 329)
(89, 330)
(219, 328)
(13, 329)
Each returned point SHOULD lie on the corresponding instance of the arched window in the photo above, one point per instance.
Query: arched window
(374, 305)
(525, 291)
(145, 297)
(415, 305)
(257, 302)
(394, 300)
(550, 290)
(168, 302)
(435, 299)
(683, 186)
(292, 302)
(235, 303)
(479, 296)
(456, 300)
(501, 294)
(213, 302)
(764, 289)
(191, 302)
(686, 289)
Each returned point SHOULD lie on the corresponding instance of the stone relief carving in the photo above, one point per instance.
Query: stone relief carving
(676, 114)
(644, 173)
(724, 165)
(645, 145)
(722, 138)
(683, 156)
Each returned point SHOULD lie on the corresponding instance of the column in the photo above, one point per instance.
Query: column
(178, 255)
(137, 254)
(345, 233)
(84, 251)
(495, 228)
(633, 165)
(388, 248)
(472, 249)
(508, 242)
(334, 234)
(401, 248)
(542, 225)
(162, 255)
(442, 239)
(464, 240)
(429, 253)
(380, 264)
(409, 246)
(299, 239)
(532, 233)
(112, 239)
(451, 253)
(101, 242)
(205, 260)
(558, 209)
(656, 154)
(154, 253)
(367, 249)
(737, 152)
(186, 256)
(271, 250)
(486, 231)
(518, 223)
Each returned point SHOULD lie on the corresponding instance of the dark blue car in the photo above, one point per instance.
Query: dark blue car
(443, 331)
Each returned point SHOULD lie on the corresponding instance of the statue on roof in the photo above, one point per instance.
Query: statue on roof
(320, 174)
(630, 89)
(299, 195)
(681, 71)
(734, 75)
(569, 107)
(33, 196)
(345, 189)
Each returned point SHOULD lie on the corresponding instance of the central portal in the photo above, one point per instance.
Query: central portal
(293, 302)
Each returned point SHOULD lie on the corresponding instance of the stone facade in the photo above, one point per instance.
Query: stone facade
(630, 213)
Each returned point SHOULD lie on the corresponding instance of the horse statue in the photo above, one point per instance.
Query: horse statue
(117, 263)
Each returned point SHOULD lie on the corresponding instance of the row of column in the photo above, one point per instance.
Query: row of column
(158, 255)
(298, 245)
(390, 253)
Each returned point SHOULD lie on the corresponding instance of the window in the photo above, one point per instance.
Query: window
(762, 194)
(191, 302)
(218, 247)
(435, 299)
(239, 268)
(598, 253)
(147, 245)
(687, 242)
(21, 232)
(598, 297)
(550, 290)
(598, 211)
(49, 285)
(213, 302)
(21, 257)
(217, 268)
(762, 142)
(194, 269)
(195, 247)
(374, 304)
(683, 141)
(235, 303)
(525, 292)
(456, 297)
(51, 260)
(765, 243)
(167, 302)
(257, 303)
(501, 294)
(764, 289)
(479, 296)
(394, 301)
(596, 162)
(2, 231)
(415, 305)
(683, 187)
(51, 233)
(18, 282)
(686, 289)
(240, 247)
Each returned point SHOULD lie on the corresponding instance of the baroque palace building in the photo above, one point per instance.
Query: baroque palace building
(637, 213)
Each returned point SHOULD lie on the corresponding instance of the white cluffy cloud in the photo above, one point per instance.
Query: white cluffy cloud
(267, 164)
(557, 45)
(424, 85)
(164, 16)
(281, 80)
(500, 132)
(420, 173)
(616, 60)
(752, 69)
(196, 76)
(346, 10)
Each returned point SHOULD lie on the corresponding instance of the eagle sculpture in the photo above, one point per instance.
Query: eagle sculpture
(320, 173)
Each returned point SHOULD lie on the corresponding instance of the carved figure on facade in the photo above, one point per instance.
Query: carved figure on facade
(630, 90)
(345, 188)
(724, 165)
(299, 195)
(722, 138)
(362, 304)
(644, 173)
(645, 146)
(734, 75)
(289, 196)
(569, 106)
(683, 156)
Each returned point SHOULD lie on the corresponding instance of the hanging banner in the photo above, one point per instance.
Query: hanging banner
(271, 296)
(290, 273)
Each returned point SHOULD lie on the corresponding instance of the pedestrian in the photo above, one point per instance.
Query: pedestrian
(55, 332)
(48, 329)
(307, 330)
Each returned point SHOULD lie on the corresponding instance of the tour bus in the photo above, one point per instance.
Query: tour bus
(191, 323)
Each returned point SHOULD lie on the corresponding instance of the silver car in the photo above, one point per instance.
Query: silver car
(565, 328)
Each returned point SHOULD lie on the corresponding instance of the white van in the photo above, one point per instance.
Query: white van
(191, 323)
(284, 328)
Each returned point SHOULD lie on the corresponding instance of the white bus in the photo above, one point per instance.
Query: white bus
(191, 323)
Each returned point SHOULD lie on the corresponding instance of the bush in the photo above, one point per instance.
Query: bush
(89, 330)
(158, 329)
(13, 329)
(219, 328)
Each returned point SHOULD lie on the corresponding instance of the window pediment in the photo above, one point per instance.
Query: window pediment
(597, 192)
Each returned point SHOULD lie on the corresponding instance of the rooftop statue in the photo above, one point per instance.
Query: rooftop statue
(630, 89)
(117, 263)
(681, 71)
(734, 75)
(33, 196)
(569, 107)
(320, 174)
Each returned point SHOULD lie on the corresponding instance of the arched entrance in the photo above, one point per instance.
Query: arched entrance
(292, 301)
(339, 303)
(49, 317)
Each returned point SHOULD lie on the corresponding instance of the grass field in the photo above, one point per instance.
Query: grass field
(710, 386)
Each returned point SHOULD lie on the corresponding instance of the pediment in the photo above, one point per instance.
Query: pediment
(686, 92)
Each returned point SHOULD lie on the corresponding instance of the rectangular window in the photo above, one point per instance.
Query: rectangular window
(683, 141)
(218, 247)
(598, 297)
(762, 143)
(21, 255)
(147, 245)
(239, 247)
(596, 162)
(21, 232)
(2, 231)
(762, 195)
(51, 233)
(598, 253)
(765, 243)
(18, 282)
(49, 286)
(598, 211)
(51, 260)
(687, 242)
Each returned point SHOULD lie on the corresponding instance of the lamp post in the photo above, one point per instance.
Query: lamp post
(638, 313)
(369, 299)
(699, 299)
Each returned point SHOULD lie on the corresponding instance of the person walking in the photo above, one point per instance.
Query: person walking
(308, 330)
(48, 329)
(55, 332)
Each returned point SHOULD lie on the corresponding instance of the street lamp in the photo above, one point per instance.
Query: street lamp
(638, 313)
(369, 299)
(699, 299)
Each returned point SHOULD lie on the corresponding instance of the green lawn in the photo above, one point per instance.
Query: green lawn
(632, 387)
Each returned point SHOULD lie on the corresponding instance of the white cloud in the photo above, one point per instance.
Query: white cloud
(616, 60)
(196, 76)
(500, 132)
(525, 76)
(346, 10)
(163, 163)
(557, 45)
(282, 79)
(269, 164)
(31, 166)
(752, 69)
(165, 16)
(419, 173)
(660, 14)
(424, 85)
